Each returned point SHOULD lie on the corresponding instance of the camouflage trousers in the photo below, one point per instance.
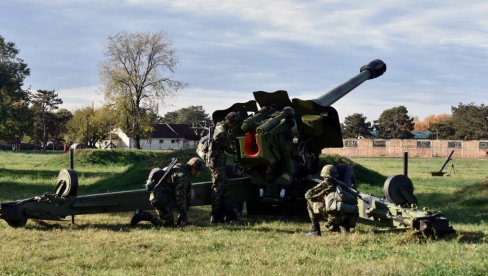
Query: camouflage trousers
(165, 206)
(332, 219)
(219, 192)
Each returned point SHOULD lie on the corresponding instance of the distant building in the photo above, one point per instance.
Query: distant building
(164, 136)
(416, 134)
(421, 134)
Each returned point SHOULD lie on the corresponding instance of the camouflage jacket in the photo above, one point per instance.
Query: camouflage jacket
(319, 191)
(221, 143)
(177, 186)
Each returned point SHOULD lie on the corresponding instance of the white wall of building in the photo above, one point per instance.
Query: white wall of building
(167, 143)
(124, 142)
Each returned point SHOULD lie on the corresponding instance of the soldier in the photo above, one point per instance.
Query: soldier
(330, 201)
(174, 191)
(221, 142)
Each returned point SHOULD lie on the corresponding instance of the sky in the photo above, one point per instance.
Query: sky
(436, 52)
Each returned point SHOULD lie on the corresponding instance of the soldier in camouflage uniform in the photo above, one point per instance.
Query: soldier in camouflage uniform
(335, 205)
(220, 144)
(173, 193)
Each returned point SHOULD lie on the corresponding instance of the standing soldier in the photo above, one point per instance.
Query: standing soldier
(331, 201)
(173, 191)
(220, 143)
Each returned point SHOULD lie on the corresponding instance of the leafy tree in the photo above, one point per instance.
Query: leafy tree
(14, 101)
(470, 121)
(170, 117)
(57, 124)
(138, 72)
(355, 126)
(90, 125)
(44, 101)
(187, 115)
(443, 130)
(394, 123)
(124, 119)
(17, 124)
(431, 120)
(80, 128)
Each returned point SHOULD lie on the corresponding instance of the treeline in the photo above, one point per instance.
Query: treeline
(466, 122)
(136, 77)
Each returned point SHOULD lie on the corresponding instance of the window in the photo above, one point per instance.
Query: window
(172, 141)
(483, 145)
(379, 143)
(161, 141)
(350, 143)
(423, 144)
(454, 145)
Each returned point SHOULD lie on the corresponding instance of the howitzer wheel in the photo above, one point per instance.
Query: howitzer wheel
(399, 190)
(66, 183)
(15, 223)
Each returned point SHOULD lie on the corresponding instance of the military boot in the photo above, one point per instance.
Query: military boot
(182, 222)
(140, 215)
(218, 214)
(314, 230)
(214, 218)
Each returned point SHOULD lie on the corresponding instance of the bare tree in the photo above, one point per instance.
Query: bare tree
(138, 72)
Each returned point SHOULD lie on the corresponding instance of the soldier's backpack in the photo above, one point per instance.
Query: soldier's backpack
(158, 176)
(203, 147)
(342, 201)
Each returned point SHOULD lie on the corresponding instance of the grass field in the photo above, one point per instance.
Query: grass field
(106, 245)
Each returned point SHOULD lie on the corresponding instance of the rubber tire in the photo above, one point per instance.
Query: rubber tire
(16, 223)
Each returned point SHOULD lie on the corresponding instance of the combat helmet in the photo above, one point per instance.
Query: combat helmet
(196, 163)
(329, 170)
(233, 116)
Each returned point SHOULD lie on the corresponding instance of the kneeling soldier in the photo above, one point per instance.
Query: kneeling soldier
(331, 201)
(173, 191)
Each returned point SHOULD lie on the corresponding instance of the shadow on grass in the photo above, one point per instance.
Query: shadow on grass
(11, 189)
(14, 191)
(47, 174)
(125, 227)
(44, 174)
(135, 176)
(198, 221)
(471, 237)
(363, 174)
(467, 205)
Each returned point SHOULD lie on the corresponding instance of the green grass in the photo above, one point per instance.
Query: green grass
(105, 244)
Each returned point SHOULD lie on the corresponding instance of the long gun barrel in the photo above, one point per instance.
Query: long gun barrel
(369, 71)
(440, 172)
(447, 161)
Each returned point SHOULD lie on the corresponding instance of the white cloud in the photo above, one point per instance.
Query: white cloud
(78, 97)
(211, 100)
(435, 50)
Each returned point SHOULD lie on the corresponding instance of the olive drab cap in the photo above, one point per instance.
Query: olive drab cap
(196, 163)
(329, 170)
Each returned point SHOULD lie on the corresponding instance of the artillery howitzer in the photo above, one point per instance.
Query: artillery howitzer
(278, 147)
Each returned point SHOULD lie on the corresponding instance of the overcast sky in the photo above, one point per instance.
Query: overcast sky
(436, 51)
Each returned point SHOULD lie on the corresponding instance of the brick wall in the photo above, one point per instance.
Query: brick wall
(415, 148)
